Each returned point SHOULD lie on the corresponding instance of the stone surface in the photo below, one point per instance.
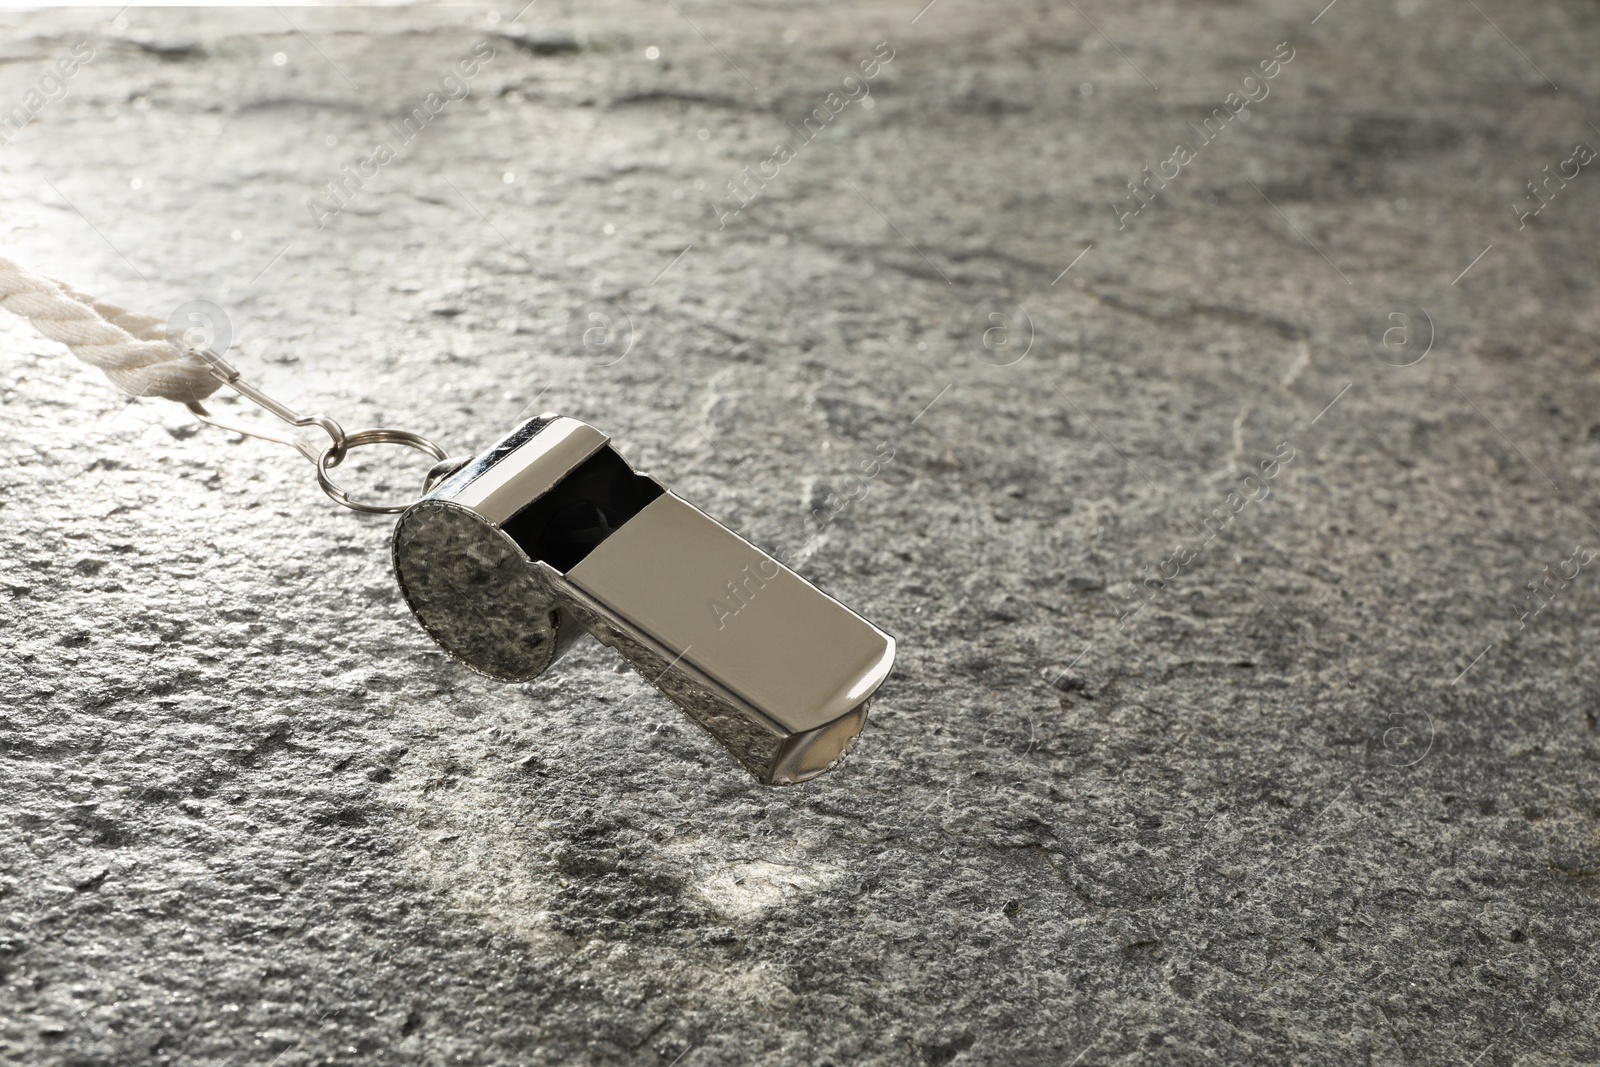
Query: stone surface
(1327, 799)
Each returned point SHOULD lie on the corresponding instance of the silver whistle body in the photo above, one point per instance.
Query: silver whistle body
(549, 533)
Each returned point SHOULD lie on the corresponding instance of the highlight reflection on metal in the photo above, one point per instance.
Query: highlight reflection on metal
(549, 532)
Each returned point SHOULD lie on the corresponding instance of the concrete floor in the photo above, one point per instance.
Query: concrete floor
(1325, 792)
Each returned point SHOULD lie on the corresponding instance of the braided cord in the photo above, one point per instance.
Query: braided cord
(134, 351)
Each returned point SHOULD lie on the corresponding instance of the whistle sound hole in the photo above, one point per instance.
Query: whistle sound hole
(583, 509)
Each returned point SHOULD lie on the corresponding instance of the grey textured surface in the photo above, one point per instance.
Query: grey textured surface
(250, 816)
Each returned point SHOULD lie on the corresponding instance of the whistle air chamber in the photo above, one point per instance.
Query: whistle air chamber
(549, 533)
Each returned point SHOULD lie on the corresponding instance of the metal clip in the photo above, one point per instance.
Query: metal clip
(549, 533)
(324, 459)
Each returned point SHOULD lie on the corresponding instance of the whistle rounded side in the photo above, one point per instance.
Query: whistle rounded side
(474, 592)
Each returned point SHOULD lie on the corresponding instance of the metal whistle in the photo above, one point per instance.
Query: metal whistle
(549, 533)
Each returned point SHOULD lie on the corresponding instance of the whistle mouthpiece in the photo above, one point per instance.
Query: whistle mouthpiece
(549, 533)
